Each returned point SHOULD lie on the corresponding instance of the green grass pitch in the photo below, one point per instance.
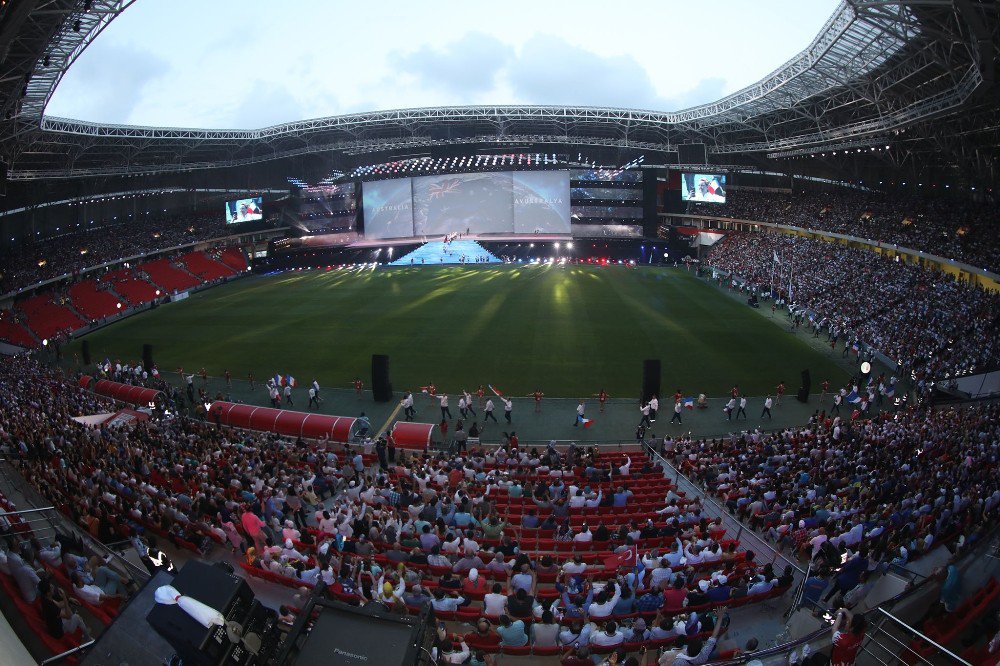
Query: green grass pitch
(567, 330)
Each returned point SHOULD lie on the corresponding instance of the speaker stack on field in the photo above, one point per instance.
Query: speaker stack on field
(650, 378)
(250, 635)
(344, 635)
(147, 357)
(381, 386)
(805, 388)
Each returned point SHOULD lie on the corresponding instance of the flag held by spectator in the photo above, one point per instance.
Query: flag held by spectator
(890, 390)
(777, 259)
(279, 380)
(290, 381)
(853, 397)
(689, 403)
(627, 558)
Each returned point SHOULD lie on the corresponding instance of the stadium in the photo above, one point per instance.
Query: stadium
(500, 383)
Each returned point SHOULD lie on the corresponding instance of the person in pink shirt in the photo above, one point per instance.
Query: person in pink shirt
(253, 525)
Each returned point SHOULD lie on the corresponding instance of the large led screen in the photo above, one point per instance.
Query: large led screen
(477, 203)
(703, 187)
(244, 210)
(388, 208)
(541, 202)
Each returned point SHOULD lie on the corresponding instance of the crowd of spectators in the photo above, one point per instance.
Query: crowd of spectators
(518, 541)
(952, 228)
(877, 492)
(70, 253)
(924, 320)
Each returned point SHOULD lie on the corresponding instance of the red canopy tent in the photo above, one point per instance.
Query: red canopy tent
(283, 421)
(135, 395)
(410, 435)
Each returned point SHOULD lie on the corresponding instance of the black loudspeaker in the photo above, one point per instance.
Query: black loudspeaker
(85, 352)
(147, 357)
(650, 378)
(344, 635)
(381, 386)
(227, 593)
(806, 387)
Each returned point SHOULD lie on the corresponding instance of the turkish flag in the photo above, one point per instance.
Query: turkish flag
(626, 558)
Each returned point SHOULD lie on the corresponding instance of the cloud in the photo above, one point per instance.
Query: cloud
(467, 66)
(263, 105)
(706, 90)
(549, 70)
(108, 83)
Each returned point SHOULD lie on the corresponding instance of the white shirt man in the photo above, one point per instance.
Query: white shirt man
(494, 604)
(462, 404)
(489, 406)
(507, 405)
(654, 405)
(597, 610)
(604, 638)
(584, 537)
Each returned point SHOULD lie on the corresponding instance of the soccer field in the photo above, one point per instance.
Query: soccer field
(568, 331)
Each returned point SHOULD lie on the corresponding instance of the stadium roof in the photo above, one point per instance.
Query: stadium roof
(918, 74)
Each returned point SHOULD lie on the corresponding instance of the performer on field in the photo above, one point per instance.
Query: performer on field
(602, 397)
(358, 386)
(488, 412)
(538, 395)
(468, 402)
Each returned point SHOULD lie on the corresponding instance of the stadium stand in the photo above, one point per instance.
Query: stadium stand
(959, 229)
(47, 318)
(66, 254)
(926, 321)
(168, 277)
(93, 302)
(234, 258)
(125, 282)
(13, 332)
(206, 268)
(574, 517)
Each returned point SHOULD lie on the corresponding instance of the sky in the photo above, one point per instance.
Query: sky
(245, 64)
